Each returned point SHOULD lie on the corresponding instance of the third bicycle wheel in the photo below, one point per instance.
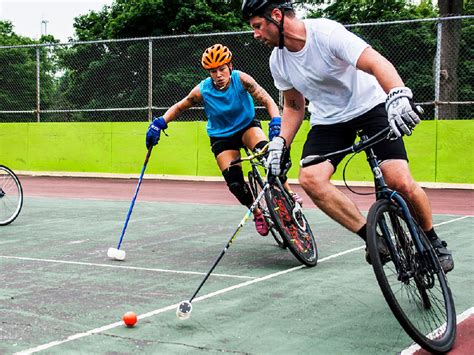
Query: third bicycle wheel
(11, 196)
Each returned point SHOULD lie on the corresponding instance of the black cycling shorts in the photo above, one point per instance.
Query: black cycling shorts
(233, 142)
(323, 139)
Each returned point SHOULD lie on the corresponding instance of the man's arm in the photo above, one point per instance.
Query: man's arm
(374, 63)
(259, 94)
(293, 114)
(192, 99)
(400, 112)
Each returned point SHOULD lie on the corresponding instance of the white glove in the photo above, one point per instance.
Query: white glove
(400, 111)
(275, 155)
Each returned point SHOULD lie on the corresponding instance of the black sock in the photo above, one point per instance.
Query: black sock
(431, 234)
(363, 232)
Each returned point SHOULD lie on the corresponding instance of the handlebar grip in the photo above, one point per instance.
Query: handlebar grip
(417, 108)
(312, 160)
(235, 161)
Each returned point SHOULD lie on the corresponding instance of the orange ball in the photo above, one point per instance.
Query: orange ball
(130, 319)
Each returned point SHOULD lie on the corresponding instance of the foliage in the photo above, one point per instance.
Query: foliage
(144, 18)
(466, 65)
(410, 47)
(19, 72)
(116, 74)
(104, 75)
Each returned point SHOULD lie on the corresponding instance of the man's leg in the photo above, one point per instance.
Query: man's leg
(315, 180)
(398, 177)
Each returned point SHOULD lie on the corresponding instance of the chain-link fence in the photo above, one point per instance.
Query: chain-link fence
(134, 79)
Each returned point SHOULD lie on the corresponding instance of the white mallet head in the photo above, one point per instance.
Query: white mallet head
(184, 310)
(116, 254)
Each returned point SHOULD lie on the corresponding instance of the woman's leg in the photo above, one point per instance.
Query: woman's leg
(234, 178)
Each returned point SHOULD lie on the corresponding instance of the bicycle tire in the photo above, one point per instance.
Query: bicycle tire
(256, 185)
(11, 196)
(413, 284)
(293, 225)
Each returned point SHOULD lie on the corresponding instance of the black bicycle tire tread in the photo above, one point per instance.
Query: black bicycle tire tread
(292, 249)
(435, 346)
(18, 184)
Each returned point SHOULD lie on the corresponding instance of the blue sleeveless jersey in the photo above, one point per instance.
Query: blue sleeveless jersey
(227, 111)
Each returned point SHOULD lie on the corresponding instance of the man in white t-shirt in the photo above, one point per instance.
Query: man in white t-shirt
(350, 87)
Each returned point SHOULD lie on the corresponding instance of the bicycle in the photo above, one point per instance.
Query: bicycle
(412, 281)
(285, 218)
(276, 204)
(11, 196)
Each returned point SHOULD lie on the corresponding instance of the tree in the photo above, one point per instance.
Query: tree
(144, 18)
(450, 44)
(116, 74)
(18, 74)
(410, 47)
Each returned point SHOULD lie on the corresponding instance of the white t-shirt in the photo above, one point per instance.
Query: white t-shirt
(325, 72)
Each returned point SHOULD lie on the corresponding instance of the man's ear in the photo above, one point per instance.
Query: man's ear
(230, 66)
(276, 15)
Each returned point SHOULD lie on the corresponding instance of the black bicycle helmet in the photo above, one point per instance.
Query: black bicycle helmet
(251, 8)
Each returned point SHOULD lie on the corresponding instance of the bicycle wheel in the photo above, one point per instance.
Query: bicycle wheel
(292, 224)
(11, 196)
(413, 284)
(256, 184)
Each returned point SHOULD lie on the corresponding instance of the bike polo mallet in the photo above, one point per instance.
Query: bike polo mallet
(117, 253)
(185, 307)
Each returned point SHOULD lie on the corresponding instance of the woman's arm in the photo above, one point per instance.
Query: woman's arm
(192, 99)
(259, 94)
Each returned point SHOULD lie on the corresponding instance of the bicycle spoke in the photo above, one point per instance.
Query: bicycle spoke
(418, 295)
(293, 226)
(11, 196)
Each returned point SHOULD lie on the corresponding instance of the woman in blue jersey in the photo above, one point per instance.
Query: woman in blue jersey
(227, 97)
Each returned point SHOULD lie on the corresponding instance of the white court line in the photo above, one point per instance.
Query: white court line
(174, 306)
(123, 267)
(459, 319)
(452, 220)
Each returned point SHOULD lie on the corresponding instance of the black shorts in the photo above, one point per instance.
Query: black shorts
(233, 142)
(323, 139)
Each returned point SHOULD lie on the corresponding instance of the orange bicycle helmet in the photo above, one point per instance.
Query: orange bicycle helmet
(215, 56)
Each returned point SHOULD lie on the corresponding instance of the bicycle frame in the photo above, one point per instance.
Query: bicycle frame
(415, 267)
(381, 188)
(384, 192)
(255, 163)
(286, 219)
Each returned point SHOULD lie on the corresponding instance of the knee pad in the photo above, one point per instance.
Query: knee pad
(234, 177)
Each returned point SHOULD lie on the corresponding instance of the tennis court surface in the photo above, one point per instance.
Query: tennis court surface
(61, 294)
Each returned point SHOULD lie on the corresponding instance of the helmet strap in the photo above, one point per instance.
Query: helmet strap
(281, 42)
(229, 65)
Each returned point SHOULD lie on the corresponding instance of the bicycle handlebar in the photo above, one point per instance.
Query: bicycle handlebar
(356, 148)
(253, 156)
